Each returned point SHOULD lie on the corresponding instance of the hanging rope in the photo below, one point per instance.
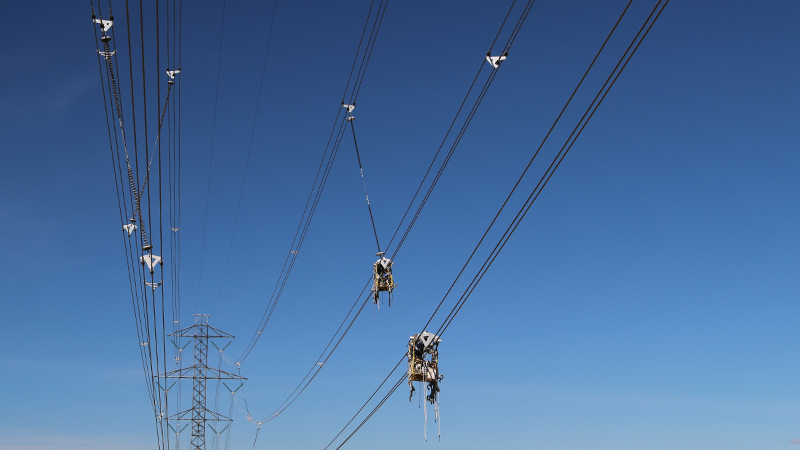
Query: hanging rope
(351, 119)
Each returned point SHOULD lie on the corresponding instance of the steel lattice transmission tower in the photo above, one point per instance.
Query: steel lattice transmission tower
(200, 373)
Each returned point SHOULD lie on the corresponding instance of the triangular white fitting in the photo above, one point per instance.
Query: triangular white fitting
(495, 61)
(428, 338)
(153, 285)
(107, 55)
(350, 108)
(172, 73)
(105, 25)
(385, 262)
(151, 261)
(130, 228)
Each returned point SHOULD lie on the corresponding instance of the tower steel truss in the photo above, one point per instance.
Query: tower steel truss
(201, 332)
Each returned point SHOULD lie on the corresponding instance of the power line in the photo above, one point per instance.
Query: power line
(367, 402)
(323, 171)
(211, 158)
(321, 360)
(247, 160)
(612, 78)
(462, 131)
(536, 153)
(609, 83)
(143, 299)
(315, 369)
(116, 161)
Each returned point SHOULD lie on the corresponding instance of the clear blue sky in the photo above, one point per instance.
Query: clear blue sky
(649, 300)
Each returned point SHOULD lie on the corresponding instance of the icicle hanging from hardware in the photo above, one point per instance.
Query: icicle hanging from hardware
(423, 366)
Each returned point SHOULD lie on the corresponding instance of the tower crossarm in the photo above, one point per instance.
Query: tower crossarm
(211, 373)
(202, 331)
(210, 416)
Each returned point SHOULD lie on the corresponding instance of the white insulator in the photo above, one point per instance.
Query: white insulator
(105, 25)
(495, 61)
(151, 261)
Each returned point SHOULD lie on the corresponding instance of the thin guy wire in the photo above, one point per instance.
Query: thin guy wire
(211, 158)
(247, 160)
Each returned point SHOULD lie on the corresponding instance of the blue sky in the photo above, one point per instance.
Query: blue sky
(648, 300)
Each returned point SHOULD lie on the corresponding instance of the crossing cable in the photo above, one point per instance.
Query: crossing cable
(320, 179)
(247, 160)
(211, 159)
(361, 169)
(626, 57)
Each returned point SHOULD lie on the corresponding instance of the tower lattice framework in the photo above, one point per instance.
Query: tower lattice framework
(200, 333)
